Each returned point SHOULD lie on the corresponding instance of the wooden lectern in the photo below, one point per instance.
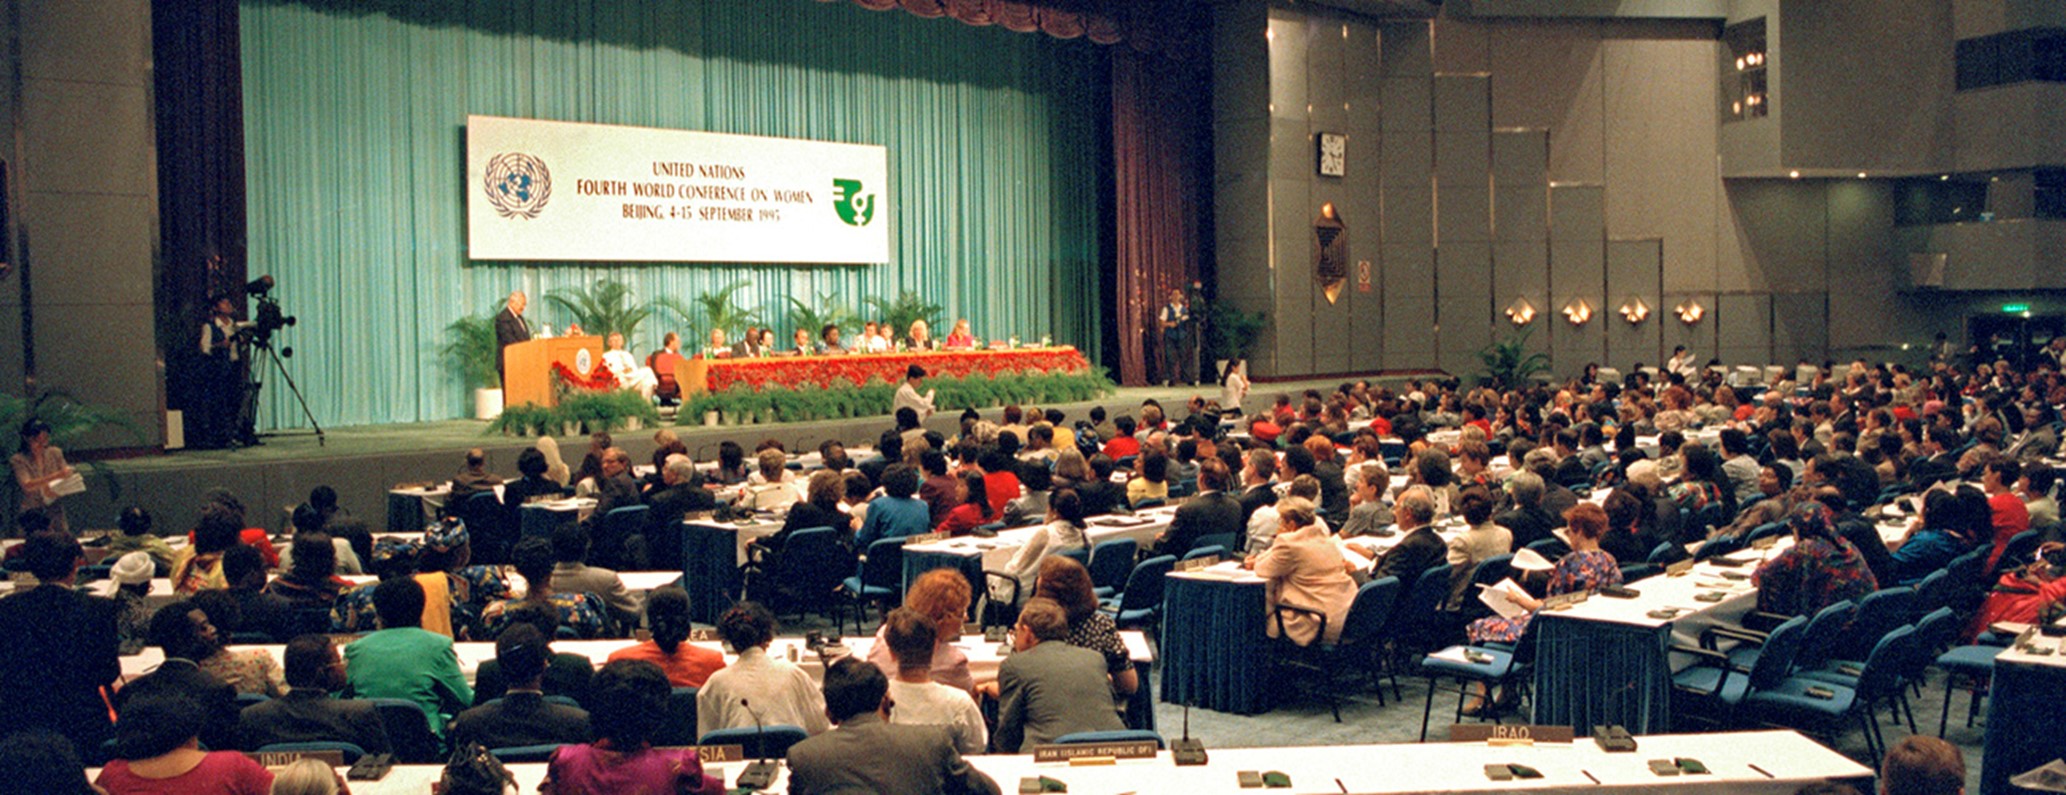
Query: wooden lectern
(528, 366)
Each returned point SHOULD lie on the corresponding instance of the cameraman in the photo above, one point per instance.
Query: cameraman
(222, 375)
(2034, 594)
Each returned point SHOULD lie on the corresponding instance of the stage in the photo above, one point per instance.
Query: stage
(363, 462)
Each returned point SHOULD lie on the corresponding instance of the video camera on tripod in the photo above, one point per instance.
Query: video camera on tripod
(268, 317)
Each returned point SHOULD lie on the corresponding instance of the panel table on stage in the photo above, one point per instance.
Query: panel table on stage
(1789, 761)
(983, 657)
(2023, 699)
(698, 374)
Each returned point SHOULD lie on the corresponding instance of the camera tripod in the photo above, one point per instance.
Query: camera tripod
(248, 411)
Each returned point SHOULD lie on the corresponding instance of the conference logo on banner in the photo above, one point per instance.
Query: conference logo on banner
(549, 190)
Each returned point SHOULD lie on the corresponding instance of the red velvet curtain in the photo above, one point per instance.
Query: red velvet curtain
(1160, 153)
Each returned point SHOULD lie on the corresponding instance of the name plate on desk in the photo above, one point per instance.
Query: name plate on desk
(1197, 564)
(1497, 734)
(1765, 543)
(719, 753)
(923, 538)
(1680, 568)
(1130, 749)
(332, 758)
(1565, 600)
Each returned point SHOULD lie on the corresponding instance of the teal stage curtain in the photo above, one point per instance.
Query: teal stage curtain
(354, 143)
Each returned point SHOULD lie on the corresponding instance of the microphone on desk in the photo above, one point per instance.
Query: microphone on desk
(761, 774)
(1187, 752)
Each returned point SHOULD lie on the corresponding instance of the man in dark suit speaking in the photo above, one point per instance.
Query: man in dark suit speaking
(510, 329)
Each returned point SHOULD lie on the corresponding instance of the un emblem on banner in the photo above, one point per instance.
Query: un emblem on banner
(854, 207)
(517, 184)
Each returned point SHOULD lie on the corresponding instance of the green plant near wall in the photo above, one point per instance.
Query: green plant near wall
(601, 308)
(826, 312)
(525, 419)
(1508, 363)
(70, 420)
(715, 309)
(906, 308)
(470, 351)
(742, 404)
(1231, 333)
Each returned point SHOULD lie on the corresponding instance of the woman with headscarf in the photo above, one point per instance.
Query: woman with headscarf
(555, 467)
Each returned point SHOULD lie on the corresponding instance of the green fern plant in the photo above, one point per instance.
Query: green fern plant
(827, 311)
(709, 310)
(1508, 363)
(470, 351)
(907, 307)
(602, 308)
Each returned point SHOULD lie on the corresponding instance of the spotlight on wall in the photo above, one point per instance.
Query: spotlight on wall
(1634, 310)
(1689, 311)
(1578, 312)
(1520, 312)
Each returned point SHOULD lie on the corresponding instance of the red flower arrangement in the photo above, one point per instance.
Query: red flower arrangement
(599, 379)
(829, 371)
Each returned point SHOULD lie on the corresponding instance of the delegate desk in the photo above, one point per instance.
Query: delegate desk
(971, 555)
(698, 374)
(1215, 644)
(983, 658)
(2022, 700)
(1793, 761)
(712, 553)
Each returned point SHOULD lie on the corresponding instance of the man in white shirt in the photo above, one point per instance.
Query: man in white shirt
(757, 687)
(908, 397)
(914, 697)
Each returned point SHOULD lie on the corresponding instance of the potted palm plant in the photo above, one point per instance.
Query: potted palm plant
(470, 351)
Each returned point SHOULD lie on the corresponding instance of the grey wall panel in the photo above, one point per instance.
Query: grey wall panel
(1408, 103)
(1779, 229)
(1462, 48)
(1520, 158)
(1240, 149)
(1661, 148)
(1240, 63)
(1288, 58)
(1409, 216)
(1366, 330)
(1699, 337)
(1407, 271)
(1578, 268)
(1463, 103)
(1407, 341)
(1408, 49)
(1466, 329)
(1463, 214)
(1464, 283)
(1743, 329)
(1293, 277)
(87, 137)
(1632, 273)
(1520, 214)
(1867, 305)
(1291, 149)
(1407, 159)
(1550, 77)
(1577, 212)
(1244, 266)
(81, 240)
(1362, 60)
(1520, 269)
(101, 41)
(1800, 327)
(1325, 78)
(1463, 159)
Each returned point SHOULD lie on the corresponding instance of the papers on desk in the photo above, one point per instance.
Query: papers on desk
(1228, 570)
(1121, 521)
(1500, 597)
(1530, 560)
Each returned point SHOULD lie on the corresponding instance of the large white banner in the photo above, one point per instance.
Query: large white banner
(550, 190)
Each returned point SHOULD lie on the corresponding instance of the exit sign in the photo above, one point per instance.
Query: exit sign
(2015, 307)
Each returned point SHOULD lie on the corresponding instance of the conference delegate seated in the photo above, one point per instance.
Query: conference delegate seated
(626, 368)
(570, 547)
(566, 674)
(1064, 531)
(916, 698)
(532, 481)
(583, 613)
(1819, 570)
(246, 670)
(1048, 688)
(972, 506)
(1944, 532)
(1303, 567)
(896, 513)
(756, 689)
(307, 713)
(667, 616)
(869, 753)
(401, 660)
(1211, 512)
(1584, 568)
(1068, 583)
(630, 707)
(473, 476)
(521, 716)
(943, 596)
(158, 752)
